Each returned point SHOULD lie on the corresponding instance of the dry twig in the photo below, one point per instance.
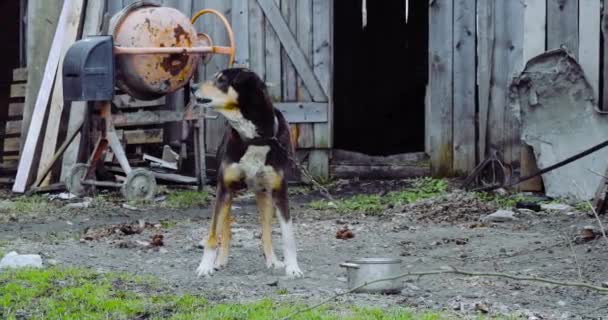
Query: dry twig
(453, 270)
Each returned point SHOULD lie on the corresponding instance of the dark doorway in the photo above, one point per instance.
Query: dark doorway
(9, 55)
(381, 65)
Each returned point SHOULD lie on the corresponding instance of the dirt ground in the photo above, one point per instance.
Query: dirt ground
(435, 233)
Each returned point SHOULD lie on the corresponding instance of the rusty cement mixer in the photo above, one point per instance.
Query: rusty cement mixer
(150, 51)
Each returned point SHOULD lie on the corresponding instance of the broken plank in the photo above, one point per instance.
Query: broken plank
(19, 74)
(15, 109)
(18, 90)
(11, 144)
(124, 101)
(147, 136)
(160, 162)
(13, 127)
(26, 163)
(142, 118)
(56, 108)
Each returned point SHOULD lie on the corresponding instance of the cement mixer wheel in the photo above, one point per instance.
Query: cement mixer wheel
(73, 181)
(140, 185)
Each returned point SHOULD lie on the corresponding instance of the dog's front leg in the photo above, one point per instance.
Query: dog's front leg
(221, 213)
(289, 241)
(266, 210)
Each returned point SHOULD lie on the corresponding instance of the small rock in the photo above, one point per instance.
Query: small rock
(157, 240)
(160, 198)
(556, 207)
(482, 307)
(561, 303)
(52, 262)
(130, 207)
(501, 192)
(500, 216)
(605, 284)
(273, 284)
(78, 205)
(588, 233)
(15, 260)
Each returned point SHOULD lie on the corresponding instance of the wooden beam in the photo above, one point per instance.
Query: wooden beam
(441, 90)
(56, 107)
(11, 145)
(464, 86)
(322, 58)
(305, 132)
(26, 163)
(273, 14)
(13, 127)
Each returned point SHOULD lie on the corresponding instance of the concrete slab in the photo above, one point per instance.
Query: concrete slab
(560, 118)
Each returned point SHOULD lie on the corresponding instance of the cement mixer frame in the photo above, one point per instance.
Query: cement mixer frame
(83, 71)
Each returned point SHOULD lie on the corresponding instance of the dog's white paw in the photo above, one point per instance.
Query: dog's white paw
(221, 261)
(207, 266)
(274, 262)
(293, 271)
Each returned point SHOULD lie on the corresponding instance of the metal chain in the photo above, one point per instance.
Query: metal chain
(324, 192)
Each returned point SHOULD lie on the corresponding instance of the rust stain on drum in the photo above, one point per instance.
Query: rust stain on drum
(150, 76)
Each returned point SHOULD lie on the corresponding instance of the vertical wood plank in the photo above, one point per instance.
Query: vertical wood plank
(78, 110)
(485, 46)
(304, 35)
(289, 85)
(257, 42)
(562, 23)
(604, 57)
(322, 28)
(56, 107)
(240, 23)
(114, 6)
(464, 86)
(535, 23)
(273, 61)
(441, 89)
(589, 41)
(508, 63)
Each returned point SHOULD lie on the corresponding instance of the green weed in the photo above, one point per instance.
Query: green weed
(188, 199)
(421, 189)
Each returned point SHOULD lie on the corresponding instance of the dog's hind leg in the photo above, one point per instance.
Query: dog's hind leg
(266, 210)
(289, 241)
(221, 212)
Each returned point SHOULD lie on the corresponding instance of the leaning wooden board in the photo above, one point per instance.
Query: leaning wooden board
(26, 163)
(53, 122)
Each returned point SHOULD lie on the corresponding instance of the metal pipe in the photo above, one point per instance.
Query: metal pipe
(166, 50)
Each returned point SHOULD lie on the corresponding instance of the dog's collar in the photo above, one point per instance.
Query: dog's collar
(266, 140)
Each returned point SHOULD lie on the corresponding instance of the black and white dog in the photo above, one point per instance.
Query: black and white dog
(256, 155)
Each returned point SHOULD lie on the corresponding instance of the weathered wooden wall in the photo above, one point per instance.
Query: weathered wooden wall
(476, 48)
(288, 43)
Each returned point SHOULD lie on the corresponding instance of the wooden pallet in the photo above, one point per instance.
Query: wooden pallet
(10, 128)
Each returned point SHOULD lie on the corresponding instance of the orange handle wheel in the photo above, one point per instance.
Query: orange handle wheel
(229, 51)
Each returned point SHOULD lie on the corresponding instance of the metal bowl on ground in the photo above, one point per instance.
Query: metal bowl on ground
(366, 270)
(145, 24)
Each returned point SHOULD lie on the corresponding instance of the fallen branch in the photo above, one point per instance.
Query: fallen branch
(457, 272)
(597, 217)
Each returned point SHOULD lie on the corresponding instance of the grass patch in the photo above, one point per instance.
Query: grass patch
(188, 199)
(83, 294)
(423, 188)
(506, 202)
(31, 204)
